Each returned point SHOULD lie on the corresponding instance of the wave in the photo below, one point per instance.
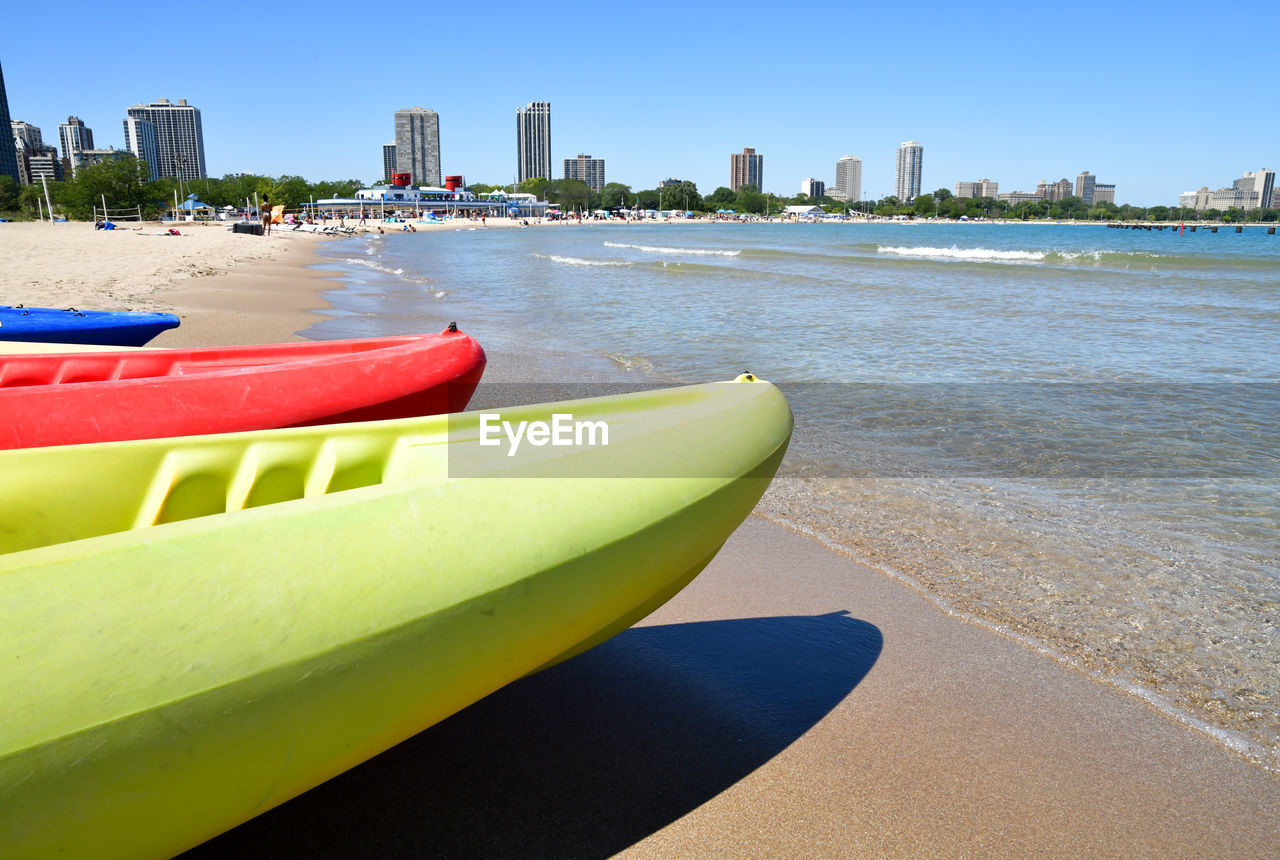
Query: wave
(664, 249)
(954, 253)
(578, 261)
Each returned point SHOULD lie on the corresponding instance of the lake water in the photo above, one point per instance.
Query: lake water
(1069, 433)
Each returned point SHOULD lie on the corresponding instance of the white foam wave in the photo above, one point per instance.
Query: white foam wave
(578, 261)
(954, 253)
(369, 264)
(395, 273)
(663, 249)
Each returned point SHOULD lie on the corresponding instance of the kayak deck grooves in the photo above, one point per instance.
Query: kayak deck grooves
(192, 484)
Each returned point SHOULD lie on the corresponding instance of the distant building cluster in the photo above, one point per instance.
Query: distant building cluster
(1255, 190)
(1087, 189)
(168, 139)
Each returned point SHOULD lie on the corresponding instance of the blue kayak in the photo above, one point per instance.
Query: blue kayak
(105, 328)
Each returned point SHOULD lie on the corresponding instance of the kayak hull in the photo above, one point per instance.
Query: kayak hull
(58, 325)
(77, 397)
(177, 679)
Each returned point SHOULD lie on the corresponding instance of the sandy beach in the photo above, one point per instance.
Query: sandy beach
(789, 702)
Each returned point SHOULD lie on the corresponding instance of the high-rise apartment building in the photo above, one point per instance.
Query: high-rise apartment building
(1086, 183)
(589, 170)
(75, 138)
(179, 138)
(43, 162)
(848, 179)
(1054, 191)
(746, 168)
(418, 145)
(977, 190)
(140, 139)
(388, 161)
(1261, 182)
(906, 186)
(1103, 193)
(26, 135)
(533, 141)
(8, 149)
(35, 159)
(813, 188)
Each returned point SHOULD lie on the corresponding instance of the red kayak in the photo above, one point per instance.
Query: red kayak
(74, 397)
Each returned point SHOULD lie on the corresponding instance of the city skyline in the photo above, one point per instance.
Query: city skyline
(1154, 129)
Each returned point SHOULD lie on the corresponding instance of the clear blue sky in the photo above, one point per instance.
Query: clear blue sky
(1158, 98)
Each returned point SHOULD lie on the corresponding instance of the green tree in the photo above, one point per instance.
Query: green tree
(749, 200)
(536, 185)
(942, 194)
(722, 198)
(616, 194)
(569, 194)
(648, 199)
(10, 194)
(924, 204)
(116, 179)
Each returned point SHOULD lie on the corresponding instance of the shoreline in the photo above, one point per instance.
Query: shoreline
(789, 701)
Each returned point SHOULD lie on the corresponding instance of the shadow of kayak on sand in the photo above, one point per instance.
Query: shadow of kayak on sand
(587, 757)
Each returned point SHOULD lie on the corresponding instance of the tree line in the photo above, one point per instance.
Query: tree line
(122, 181)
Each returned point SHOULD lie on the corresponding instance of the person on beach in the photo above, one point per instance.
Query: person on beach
(265, 211)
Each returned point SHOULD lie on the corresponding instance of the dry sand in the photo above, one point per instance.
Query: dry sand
(788, 703)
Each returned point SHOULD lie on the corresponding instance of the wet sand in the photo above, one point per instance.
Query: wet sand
(788, 703)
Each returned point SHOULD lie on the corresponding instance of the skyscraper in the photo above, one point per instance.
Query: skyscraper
(1085, 183)
(26, 135)
(8, 149)
(813, 187)
(746, 168)
(75, 138)
(533, 141)
(140, 139)
(418, 145)
(906, 186)
(848, 178)
(388, 161)
(179, 137)
(1262, 182)
(589, 170)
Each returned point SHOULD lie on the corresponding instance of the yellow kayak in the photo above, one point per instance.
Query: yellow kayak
(193, 631)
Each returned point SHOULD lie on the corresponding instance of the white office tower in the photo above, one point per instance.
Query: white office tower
(179, 138)
(906, 186)
(848, 178)
(533, 141)
(75, 138)
(140, 139)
